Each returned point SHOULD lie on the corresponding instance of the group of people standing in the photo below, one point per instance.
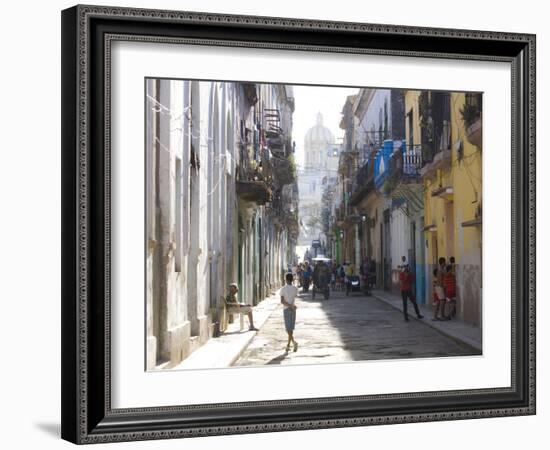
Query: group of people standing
(443, 287)
(302, 274)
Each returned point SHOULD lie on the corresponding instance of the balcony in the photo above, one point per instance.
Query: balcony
(412, 161)
(405, 164)
(254, 191)
(471, 116)
(477, 220)
(404, 182)
(441, 160)
(473, 133)
(283, 169)
(363, 184)
(435, 115)
(275, 141)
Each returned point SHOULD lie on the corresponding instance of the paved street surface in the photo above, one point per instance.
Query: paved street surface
(344, 329)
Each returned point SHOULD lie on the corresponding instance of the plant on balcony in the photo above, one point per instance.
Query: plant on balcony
(470, 113)
(471, 116)
(283, 170)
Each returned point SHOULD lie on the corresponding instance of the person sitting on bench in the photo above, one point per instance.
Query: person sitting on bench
(232, 302)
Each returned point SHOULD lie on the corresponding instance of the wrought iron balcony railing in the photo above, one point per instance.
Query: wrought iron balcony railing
(410, 160)
(363, 183)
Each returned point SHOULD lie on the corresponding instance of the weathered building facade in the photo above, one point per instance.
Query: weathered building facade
(218, 159)
(410, 185)
(376, 116)
(449, 126)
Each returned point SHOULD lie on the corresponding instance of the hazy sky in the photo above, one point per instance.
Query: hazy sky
(310, 100)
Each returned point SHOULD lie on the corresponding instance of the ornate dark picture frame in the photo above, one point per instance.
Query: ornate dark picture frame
(87, 34)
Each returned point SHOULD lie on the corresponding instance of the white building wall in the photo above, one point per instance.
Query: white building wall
(373, 120)
(400, 237)
(192, 231)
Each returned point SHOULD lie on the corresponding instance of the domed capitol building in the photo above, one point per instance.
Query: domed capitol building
(318, 145)
(320, 164)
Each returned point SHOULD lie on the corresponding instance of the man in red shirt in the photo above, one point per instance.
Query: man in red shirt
(406, 282)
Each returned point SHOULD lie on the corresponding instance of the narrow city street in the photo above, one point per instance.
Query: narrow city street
(344, 329)
(247, 182)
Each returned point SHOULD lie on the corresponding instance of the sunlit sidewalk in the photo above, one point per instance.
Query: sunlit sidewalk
(455, 328)
(223, 351)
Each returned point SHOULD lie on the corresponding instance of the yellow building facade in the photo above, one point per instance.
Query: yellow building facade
(447, 126)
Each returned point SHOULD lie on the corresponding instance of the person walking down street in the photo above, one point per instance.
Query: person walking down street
(406, 282)
(288, 293)
(232, 302)
(300, 274)
(306, 276)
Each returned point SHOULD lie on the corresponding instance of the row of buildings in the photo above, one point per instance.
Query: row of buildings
(409, 184)
(221, 205)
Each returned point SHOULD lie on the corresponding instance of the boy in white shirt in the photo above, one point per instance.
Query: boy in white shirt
(289, 292)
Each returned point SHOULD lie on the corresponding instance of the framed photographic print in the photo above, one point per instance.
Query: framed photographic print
(280, 224)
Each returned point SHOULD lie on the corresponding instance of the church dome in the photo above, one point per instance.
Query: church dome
(319, 133)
